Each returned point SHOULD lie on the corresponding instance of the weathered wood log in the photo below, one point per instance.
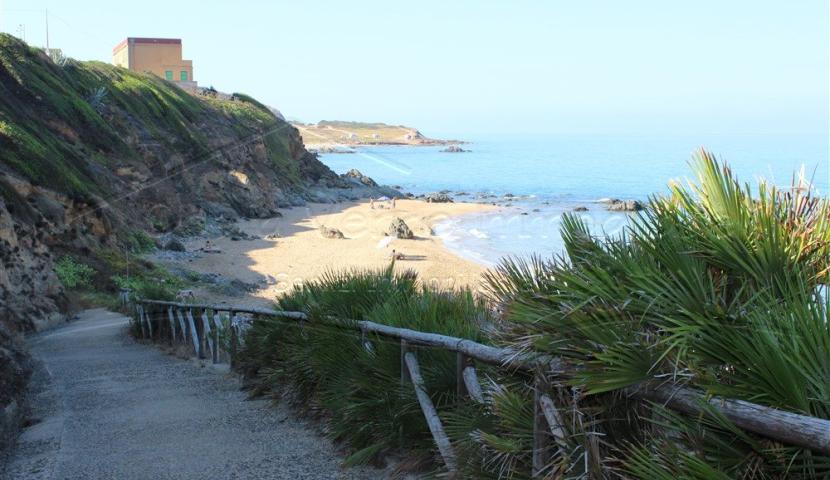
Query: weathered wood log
(461, 362)
(555, 423)
(472, 385)
(430, 413)
(208, 333)
(182, 327)
(226, 308)
(217, 324)
(787, 427)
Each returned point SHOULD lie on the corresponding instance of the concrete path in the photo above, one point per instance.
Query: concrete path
(109, 408)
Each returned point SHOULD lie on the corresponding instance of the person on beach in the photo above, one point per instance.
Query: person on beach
(397, 256)
(393, 201)
(372, 203)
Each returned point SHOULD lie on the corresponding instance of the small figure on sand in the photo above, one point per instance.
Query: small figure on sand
(393, 201)
(397, 255)
(372, 203)
(210, 248)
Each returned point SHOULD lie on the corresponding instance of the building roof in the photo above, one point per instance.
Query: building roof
(146, 40)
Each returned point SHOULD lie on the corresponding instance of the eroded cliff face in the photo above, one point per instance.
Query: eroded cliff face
(90, 154)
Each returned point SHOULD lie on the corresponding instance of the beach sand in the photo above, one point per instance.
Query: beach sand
(289, 250)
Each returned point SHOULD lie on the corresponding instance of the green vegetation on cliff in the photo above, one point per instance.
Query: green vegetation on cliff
(57, 121)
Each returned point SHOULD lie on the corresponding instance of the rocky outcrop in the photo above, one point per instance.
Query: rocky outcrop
(356, 175)
(625, 205)
(330, 232)
(437, 198)
(454, 149)
(398, 228)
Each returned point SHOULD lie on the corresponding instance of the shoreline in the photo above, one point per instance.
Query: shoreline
(283, 252)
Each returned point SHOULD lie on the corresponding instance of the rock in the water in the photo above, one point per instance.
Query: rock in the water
(438, 198)
(454, 149)
(174, 245)
(581, 209)
(355, 174)
(625, 206)
(329, 232)
(400, 229)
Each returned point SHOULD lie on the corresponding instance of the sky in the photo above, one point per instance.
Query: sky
(484, 67)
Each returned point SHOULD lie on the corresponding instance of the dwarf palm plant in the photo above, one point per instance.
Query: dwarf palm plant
(353, 383)
(714, 286)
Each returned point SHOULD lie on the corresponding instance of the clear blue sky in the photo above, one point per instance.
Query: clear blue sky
(468, 67)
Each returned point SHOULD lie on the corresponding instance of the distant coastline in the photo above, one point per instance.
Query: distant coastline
(342, 137)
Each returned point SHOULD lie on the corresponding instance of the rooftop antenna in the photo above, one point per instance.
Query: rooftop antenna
(48, 52)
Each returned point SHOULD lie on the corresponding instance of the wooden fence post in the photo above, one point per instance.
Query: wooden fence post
(233, 341)
(149, 318)
(404, 369)
(140, 310)
(182, 327)
(172, 325)
(460, 364)
(193, 335)
(430, 413)
(541, 447)
(217, 322)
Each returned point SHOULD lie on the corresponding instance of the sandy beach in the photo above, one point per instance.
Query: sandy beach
(289, 250)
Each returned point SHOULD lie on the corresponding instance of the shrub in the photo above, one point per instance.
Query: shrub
(356, 387)
(73, 274)
(713, 286)
(138, 241)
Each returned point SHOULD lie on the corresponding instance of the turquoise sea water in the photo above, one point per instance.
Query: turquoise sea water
(554, 174)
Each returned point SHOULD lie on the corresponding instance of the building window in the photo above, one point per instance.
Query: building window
(183, 76)
(168, 74)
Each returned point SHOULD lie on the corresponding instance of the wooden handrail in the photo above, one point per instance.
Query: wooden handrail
(787, 427)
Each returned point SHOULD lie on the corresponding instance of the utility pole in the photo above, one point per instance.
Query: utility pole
(48, 52)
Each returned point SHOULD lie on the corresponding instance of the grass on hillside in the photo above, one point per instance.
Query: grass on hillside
(56, 120)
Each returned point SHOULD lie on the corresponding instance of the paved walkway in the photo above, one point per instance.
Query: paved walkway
(109, 408)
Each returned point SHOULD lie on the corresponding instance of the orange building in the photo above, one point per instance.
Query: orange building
(162, 56)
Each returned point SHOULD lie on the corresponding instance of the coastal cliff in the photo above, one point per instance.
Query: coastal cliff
(96, 159)
(339, 137)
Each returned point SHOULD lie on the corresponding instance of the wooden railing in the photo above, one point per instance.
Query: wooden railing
(199, 325)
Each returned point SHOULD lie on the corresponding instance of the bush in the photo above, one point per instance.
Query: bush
(73, 274)
(713, 287)
(355, 387)
(139, 242)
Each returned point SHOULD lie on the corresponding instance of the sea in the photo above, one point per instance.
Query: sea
(536, 179)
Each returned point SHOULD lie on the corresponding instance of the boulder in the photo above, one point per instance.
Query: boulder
(356, 175)
(581, 209)
(625, 206)
(454, 149)
(328, 232)
(438, 198)
(398, 228)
